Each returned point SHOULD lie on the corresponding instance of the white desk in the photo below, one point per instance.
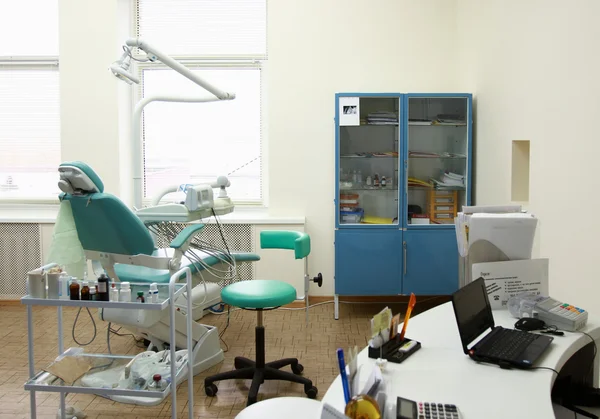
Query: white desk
(441, 372)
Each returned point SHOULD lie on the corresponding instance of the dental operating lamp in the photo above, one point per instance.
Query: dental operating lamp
(121, 69)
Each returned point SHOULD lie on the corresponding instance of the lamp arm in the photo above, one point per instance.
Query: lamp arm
(181, 69)
(136, 141)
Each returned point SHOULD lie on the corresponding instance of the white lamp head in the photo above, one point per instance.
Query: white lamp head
(120, 69)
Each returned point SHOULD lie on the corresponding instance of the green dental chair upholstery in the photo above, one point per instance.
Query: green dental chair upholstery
(261, 295)
(111, 233)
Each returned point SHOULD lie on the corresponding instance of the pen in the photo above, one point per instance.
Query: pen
(411, 304)
(343, 376)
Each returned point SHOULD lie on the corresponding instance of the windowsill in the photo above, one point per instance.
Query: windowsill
(46, 211)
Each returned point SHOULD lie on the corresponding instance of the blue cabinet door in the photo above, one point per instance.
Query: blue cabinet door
(431, 265)
(368, 262)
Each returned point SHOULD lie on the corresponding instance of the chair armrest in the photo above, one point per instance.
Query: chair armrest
(185, 235)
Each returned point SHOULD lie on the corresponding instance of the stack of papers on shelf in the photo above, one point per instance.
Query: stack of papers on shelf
(382, 118)
(414, 182)
(450, 179)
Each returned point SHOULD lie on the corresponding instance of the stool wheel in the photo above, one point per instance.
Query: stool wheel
(211, 390)
(297, 369)
(312, 392)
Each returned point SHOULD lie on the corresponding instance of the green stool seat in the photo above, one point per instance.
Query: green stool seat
(258, 293)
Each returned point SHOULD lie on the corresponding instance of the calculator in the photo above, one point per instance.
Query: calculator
(409, 409)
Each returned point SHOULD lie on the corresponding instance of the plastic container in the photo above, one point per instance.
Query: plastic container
(63, 286)
(153, 293)
(53, 286)
(103, 286)
(125, 292)
(37, 284)
(114, 292)
(351, 217)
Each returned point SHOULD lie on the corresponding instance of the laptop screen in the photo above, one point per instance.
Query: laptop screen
(473, 311)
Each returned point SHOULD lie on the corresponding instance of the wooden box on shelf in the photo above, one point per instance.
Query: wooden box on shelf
(443, 206)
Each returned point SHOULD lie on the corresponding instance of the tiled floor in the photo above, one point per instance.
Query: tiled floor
(286, 336)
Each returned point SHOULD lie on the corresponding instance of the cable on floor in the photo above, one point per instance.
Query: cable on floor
(223, 331)
(75, 324)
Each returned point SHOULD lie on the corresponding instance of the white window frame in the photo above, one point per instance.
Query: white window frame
(33, 63)
(217, 62)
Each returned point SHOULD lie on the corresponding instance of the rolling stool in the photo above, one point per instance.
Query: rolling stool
(261, 295)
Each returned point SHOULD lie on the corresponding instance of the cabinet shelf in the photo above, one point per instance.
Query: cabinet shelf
(438, 157)
(425, 188)
(368, 156)
(436, 124)
(366, 188)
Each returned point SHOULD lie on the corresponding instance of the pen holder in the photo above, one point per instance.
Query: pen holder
(395, 350)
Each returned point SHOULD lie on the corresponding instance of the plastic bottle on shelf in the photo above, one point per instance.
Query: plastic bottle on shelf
(360, 178)
(157, 384)
(153, 293)
(93, 294)
(63, 286)
(125, 292)
(369, 181)
(114, 292)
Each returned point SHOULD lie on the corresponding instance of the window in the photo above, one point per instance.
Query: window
(224, 41)
(29, 109)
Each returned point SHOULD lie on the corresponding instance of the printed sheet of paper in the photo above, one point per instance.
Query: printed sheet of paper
(349, 111)
(507, 279)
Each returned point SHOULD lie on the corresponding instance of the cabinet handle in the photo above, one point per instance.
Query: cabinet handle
(404, 256)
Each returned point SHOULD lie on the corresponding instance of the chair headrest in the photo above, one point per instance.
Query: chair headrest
(78, 177)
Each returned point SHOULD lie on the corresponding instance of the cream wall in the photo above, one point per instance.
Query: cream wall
(89, 96)
(318, 48)
(534, 70)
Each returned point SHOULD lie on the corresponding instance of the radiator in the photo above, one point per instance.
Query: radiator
(20, 252)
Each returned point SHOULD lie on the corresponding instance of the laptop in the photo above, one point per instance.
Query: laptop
(504, 347)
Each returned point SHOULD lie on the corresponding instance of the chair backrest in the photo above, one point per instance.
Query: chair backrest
(104, 223)
(284, 239)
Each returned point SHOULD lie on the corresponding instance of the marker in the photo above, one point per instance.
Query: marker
(411, 304)
(344, 377)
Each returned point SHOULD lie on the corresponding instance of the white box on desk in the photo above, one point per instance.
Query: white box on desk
(509, 278)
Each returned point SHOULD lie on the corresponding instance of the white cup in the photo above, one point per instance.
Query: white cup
(37, 284)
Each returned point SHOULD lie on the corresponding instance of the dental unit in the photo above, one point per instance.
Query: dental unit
(122, 243)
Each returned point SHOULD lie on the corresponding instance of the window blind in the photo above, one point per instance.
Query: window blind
(29, 133)
(28, 28)
(205, 27)
(196, 142)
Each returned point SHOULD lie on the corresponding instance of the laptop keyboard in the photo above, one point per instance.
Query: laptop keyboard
(507, 344)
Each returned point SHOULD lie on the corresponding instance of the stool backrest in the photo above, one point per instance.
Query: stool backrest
(283, 239)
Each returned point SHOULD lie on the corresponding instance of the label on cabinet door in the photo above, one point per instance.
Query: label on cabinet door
(349, 111)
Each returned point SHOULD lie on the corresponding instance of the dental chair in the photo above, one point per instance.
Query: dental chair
(112, 235)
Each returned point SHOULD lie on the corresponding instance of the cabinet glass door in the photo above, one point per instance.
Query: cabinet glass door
(368, 146)
(437, 159)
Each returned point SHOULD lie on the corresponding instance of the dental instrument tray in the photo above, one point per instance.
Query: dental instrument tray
(395, 350)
